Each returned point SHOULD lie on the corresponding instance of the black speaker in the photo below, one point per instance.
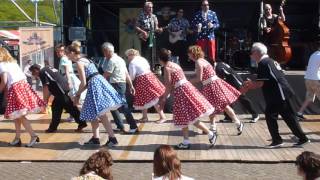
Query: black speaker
(77, 33)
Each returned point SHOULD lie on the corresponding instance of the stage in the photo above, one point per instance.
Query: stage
(66, 146)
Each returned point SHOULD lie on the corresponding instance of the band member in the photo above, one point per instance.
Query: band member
(56, 85)
(115, 70)
(268, 21)
(188, 105)
(219, 93)
(178, 28)
(277, 94)
(147, 85)
(204, 23)
(146, 26)
(225, 72)
(21, 98)
(100, 98)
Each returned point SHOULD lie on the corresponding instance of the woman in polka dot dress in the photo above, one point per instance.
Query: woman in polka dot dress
(218, 92)
(101, 97)
(21, 98)
(189, 104)
(147, 85)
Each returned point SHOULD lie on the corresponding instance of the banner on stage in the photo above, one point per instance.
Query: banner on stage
(36, 44)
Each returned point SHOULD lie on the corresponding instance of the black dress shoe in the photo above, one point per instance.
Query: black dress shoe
(81, 127)
(50, 130)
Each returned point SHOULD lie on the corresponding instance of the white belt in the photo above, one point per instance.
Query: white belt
(144, 73)
(179, 83)
(210, 79)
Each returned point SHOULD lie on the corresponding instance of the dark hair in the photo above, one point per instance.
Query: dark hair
(309, 163)
(164, 55)
(99, 162)
(166, 162)
(60, 45)
(34, 67)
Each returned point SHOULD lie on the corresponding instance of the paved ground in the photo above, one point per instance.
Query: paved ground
(142, 171)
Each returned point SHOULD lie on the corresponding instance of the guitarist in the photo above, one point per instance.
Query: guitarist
(204, 23)
(268, 21)
(178, 28)
(146, 26)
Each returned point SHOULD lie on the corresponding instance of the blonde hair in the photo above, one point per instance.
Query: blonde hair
(196, 51)
(5, 56)
(132, 52)
(76, 43)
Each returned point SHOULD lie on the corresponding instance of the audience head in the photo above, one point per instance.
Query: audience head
(166, 162)
(5, 56)
(76, 43)
(308, 164)
(131, 53)
(100, 163)
(258, 50)
(195, 52)
(164, 56)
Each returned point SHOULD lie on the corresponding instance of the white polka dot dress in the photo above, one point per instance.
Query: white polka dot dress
(148, 90)
(188, 103)
(218, 92)
(101, 97)
(22, 100)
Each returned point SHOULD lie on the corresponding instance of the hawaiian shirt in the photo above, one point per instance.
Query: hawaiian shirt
(147, 22)
(206, 32)
(176, 25)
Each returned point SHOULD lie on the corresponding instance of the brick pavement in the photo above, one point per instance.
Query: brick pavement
(142, 171)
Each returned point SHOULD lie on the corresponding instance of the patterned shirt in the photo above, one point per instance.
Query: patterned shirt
(176, 25)
(206, 32)
(147, 22)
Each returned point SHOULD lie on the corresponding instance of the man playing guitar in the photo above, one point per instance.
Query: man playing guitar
(178, 28)
(205, 22)
(147, 25)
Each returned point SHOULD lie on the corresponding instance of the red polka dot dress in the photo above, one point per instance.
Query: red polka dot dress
(21, 100)
(148, 90)
(188, 103)
(218, 92)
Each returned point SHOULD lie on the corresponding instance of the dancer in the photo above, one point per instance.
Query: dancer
(148, 87)
(115, 70)
(21, 98)
(219, 93)
(56, 85)
(100, 98)
(188, 105)
(278, 95)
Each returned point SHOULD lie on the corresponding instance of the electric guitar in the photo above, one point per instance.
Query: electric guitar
(175, 36)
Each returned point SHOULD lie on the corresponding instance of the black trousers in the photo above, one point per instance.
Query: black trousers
(247, 104)
(180, 48)
(284, 108)
(63, 102)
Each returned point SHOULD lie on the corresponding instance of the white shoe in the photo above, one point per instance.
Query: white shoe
(240, 128)
(255, 119)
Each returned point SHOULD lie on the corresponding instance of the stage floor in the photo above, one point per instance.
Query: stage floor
(65, 145)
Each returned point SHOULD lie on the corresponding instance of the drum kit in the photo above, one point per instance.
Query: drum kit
(234, 47)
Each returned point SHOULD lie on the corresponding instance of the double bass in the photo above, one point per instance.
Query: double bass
(279, 48)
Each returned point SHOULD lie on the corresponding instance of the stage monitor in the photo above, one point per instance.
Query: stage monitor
(77, 33)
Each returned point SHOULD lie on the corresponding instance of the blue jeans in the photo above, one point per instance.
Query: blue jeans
(121, 89)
